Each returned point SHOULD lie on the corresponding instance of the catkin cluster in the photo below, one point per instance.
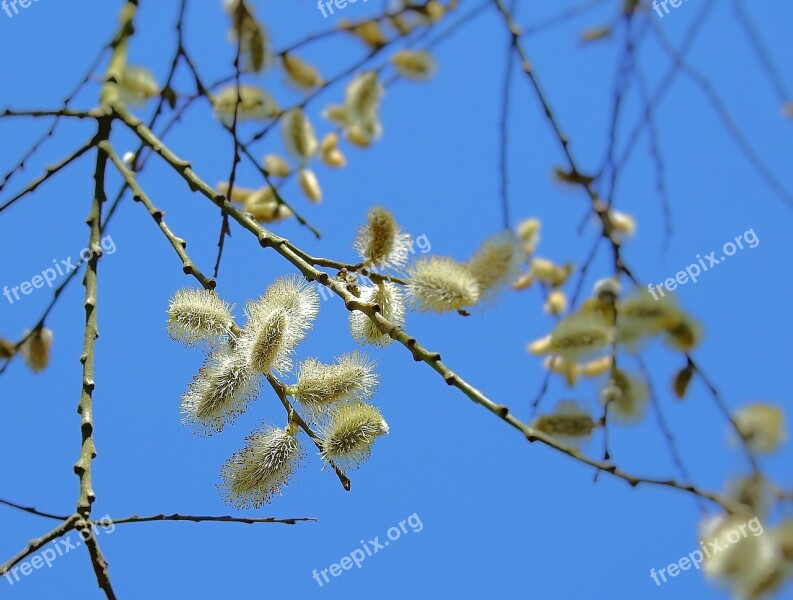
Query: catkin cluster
(334, 396)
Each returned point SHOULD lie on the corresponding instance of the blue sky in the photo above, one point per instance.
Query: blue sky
(499, 516)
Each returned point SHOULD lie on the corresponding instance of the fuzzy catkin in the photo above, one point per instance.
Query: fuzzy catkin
(298, 134)
(352, 377)
(349, 436)
(578, 336)
(440, 284)
(198, 315)
(494, 262)
(416, 65)
(257, 472)
(36, 349)
(277, 322)
(569, 423)
(222, 390)
(389, 297)
(251, 104)
(381, 241)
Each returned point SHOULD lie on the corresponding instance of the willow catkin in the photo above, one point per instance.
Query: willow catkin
(36, 349)
(298, 135)
(137, 85)
(310, 184)
(320, 385)
(389, 297)
(249, 102)
(362, 97)
(350, 434)
(494, 263)
(418, 65)
(381, 241)
(626, 398)
(441, 284)
(7, 349)
(329, 151)
(259, 471)
(253, 40)
(198, 315)
(276, 166)
(762, 425)
(263, 206)
(220, 392)
(569, 423)
(301, 75)
(579, 336)
(276, 323)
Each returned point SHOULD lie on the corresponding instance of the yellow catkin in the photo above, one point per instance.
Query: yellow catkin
(36, 349)
(138, 85)
(415, 65)
(298, 134)
(330, 153)
(276, 166)
(310, 185)
(441, 284)
(301, 74)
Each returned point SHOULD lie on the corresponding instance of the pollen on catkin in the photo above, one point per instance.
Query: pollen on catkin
(350, 433)
(319, 385)
(198, 315)
(381, 242)
(259, 471)
(389, 297)
(298, 134)
(579, 336)
(568, 423)
(441, 284)
(36, 349)
(252, 104)
(626, 397)
(220, 392)
(137, 85)
(494, 263)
